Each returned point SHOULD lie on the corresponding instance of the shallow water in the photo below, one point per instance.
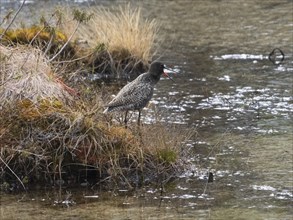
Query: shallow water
(240, 103)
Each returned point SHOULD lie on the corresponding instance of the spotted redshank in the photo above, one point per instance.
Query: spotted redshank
(136, 94)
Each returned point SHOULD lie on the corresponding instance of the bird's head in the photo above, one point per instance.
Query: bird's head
(157, 69)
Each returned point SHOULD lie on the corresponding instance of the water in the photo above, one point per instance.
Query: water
(240, 103)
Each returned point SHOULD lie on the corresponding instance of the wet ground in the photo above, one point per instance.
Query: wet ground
(227, 88)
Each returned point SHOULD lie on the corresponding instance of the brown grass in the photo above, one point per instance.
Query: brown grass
(123, 41)
(27, 74)
(118, 43)
(48, 134)
(125, 30)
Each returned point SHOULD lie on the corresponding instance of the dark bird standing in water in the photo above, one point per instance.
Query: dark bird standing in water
(136, 94)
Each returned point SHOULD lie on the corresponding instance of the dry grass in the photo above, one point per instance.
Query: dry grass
(123, 40)
(27, 74)
(117, 43)
(125, 30)
(48, 135)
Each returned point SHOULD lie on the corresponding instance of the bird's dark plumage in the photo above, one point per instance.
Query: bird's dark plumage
(136, 94)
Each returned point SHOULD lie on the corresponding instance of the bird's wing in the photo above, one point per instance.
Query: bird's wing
(131, 95)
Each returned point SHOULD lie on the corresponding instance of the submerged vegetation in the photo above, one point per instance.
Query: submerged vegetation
(52, 129)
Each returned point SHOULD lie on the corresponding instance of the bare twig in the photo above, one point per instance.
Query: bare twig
(6, 17)
(4, 32)
(49, 45)
(13, 173)
(77, 59)
(68, 40)
(80, 17)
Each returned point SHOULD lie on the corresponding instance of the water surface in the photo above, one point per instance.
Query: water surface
(240, 103)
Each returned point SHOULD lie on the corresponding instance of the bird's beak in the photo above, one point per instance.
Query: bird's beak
(166, 74)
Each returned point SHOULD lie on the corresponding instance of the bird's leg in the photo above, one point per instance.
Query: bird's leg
(125, 119)
(138, 120)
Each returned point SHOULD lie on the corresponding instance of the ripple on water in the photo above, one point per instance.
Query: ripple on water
(240, 57)
(283, 194)
(262, 104)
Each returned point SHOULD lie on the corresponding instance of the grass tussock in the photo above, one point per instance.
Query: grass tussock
(50, 133)
(27, 74)
(122, 40)
(116, 43)
(123, 31)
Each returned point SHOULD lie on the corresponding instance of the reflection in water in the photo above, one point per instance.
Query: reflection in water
(240, 103)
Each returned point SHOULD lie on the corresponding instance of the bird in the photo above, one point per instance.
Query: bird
(136, 94)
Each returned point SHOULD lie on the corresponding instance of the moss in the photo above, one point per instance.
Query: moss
(167, 156)
(40, 37)
(121, 136)
(26, 35)
(28, 110)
